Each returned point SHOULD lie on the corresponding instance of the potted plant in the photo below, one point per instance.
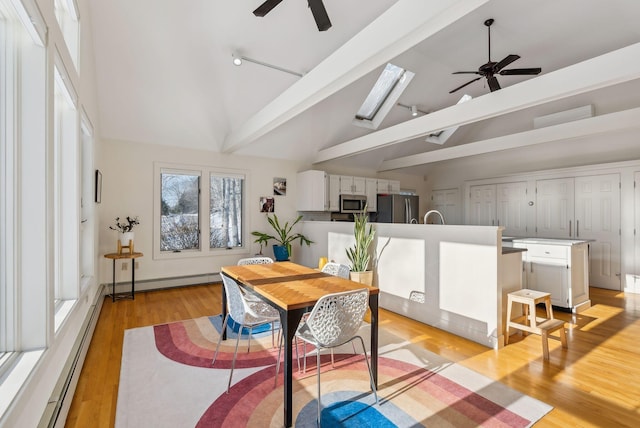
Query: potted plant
(359, 254)
(125, 229)
(283, 235)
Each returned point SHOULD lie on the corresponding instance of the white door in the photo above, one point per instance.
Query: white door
(482, 205)
(447, 201)
(554, 208)
(598, 217)
(511, 207)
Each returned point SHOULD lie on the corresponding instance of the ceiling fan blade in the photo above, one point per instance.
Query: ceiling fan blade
(524, 71)
(468, 83)
(320, 15)
(506, 61)
(266, 7)
(466, 72)
(493, 83)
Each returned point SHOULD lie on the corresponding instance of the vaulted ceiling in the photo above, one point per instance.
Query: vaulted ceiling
(165, 74)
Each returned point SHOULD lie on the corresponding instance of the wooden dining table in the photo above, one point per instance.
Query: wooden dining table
(292, 289)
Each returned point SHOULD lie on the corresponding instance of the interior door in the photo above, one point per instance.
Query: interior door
(511, 199)
(482, 205)
(447, 201)
(597, 217)
(555, 208)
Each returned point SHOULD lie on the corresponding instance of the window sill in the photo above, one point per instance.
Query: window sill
(16, 376)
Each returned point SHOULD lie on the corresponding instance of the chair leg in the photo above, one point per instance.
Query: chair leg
(233, 362)
(366, 358)
(224, 327)
(248, 343)
(318, 371)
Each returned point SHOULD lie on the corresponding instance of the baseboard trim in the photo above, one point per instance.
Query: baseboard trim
(161, 283)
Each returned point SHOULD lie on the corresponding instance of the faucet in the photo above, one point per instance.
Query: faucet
(433, 212)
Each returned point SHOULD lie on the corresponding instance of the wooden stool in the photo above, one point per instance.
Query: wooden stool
(529, 322)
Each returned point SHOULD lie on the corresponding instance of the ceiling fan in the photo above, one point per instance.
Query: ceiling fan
(316, 6)
(490, 69)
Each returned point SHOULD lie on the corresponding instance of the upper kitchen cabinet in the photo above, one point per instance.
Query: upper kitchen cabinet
(371, 189)
(352, 185)
(311, 194)
(388, 186)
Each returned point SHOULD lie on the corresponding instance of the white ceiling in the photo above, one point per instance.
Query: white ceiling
(165, 75)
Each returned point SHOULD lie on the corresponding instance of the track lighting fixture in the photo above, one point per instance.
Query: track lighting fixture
(413, 109)
(238, 60)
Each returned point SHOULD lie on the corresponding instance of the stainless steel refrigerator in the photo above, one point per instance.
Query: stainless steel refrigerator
(398, 209)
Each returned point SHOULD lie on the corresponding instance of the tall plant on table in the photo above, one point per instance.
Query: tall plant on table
(283, 234)
(359, 255)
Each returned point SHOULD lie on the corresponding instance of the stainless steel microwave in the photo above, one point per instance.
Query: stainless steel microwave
(352, 203)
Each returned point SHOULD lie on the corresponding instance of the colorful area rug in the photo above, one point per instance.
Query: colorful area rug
(167, 380)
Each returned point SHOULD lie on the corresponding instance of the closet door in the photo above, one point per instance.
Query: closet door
(597, 217)
(555, 208)
(447, 201)
(512, 208)
(482, 205)
(636, 225)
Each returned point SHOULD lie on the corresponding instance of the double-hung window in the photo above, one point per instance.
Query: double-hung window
(195, 205)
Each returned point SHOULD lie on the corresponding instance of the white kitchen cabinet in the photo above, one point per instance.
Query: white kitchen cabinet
(559, 267)
(371, 190)
(311, 191)
(317, 191)
(352, 185)
(388, 186)
(334, 193)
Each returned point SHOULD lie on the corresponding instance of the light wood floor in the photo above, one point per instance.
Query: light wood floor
(595, 383)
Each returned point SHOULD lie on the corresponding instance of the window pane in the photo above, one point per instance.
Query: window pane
(180, 205)
(380, 91)
(225, 212)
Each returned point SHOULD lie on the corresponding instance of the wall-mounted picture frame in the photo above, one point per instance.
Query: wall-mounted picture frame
(98, 190)
(279, 186)
(267, 204)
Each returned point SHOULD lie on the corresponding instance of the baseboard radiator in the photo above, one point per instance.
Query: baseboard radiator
(55, 414)
(162, 283)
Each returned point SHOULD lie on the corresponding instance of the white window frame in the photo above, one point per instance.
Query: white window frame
(205, 173)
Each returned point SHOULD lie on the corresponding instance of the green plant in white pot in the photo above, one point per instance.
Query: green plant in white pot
(359, 255)
(283, 234)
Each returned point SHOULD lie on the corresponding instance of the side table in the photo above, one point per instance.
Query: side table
(114, 257)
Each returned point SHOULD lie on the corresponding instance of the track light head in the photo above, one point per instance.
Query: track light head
(237, 59)
(414, 110)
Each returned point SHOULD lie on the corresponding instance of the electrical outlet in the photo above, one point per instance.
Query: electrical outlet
(124, 266)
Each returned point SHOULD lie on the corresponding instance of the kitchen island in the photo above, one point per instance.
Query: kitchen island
(460, 272)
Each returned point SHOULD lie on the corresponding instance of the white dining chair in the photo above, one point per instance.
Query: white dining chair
(336, 269)
(335, 320)
(248, 314)
(258, 260)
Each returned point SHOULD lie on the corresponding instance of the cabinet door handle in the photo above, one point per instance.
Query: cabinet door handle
(569, 228)
(577, 228)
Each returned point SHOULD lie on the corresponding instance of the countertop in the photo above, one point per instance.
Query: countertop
(550, 241)
(510, 250)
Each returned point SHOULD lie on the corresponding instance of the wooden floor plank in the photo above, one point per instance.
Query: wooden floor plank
(594, 383)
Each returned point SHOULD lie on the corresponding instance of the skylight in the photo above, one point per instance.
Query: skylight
(392, 82)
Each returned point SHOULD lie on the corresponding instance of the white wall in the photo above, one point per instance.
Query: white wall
(128, 174)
